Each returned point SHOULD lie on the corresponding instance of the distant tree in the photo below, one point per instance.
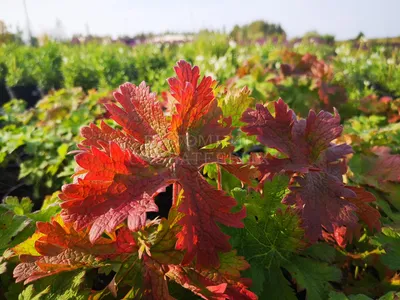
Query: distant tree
(8, 37)
(324, 38)
(3, 27)
(33, 41)
(235, 33)
(360, 36)
(255, 31)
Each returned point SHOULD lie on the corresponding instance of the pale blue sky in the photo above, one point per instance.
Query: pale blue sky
(343, 18)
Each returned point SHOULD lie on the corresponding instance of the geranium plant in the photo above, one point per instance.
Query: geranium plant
(273, 226)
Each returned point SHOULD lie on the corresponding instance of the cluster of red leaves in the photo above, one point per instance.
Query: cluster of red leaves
(160, 260)
(317, 73)
(121, 170)
(316, 166)
(119, 173)
(57, 248)
(248, 67)
(308, 65)
(373, 104)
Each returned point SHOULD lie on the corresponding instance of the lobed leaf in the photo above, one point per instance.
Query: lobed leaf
(121, 171)
(314, 163)
(56, 247)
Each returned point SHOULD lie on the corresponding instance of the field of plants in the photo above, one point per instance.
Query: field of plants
(221, 171)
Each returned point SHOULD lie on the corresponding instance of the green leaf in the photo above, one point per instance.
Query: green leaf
(321, 251)
(313, 276)
(390, 296)
(271, 235)
(340, 296)
(372, 131)
(256, 273)
(395, 216)
(234, 103)
(229, 181)
(13, 229)
(231, 264)
(64, 286)
(276, 287)
(389, 239)
(44, 215)
(131, 274)
(24, 206)
(19, 207)
(265, 205)
(29, 293)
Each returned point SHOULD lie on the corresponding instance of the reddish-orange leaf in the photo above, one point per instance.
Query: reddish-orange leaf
(61, 248)
(122, 170)
(200, 233)
(366, 212)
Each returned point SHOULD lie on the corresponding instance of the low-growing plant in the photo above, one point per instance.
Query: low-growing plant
(302, 79)
(47, 70)
(79, 68)
(34, 143)
(20, 63)
(3, 66)
(277, 225)
(154, 63)
(116, 65)
(367, 72)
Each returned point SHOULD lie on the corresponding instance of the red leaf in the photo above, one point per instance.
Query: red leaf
(386, 166)
(117, 186)
(296, 65)
(198, 120)
(155, 285)
(319, 200)
(61, 248)
(200, 233)
(209, 285)
(366, 212)
(155, 245)
(303, 142)
(193, 98)
(244, 172)
(139, 106)
(313, 161)
(121, 171)
(101, 137)
(125, 241)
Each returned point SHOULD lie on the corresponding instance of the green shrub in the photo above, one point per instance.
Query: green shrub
(20, 63)
(116, 65)
(47, 71)
(79, 68)
(3, 66)
(37, 140)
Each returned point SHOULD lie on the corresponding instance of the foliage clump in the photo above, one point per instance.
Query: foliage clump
(288, 220)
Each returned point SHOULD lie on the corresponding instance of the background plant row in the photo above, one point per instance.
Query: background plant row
(56, 65)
